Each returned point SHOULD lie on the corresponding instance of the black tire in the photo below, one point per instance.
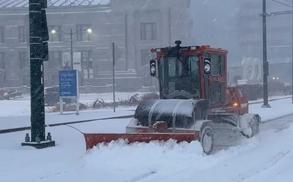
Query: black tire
(207, 138)
(221, 135)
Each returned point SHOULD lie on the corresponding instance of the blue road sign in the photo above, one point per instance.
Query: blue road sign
(68, 83)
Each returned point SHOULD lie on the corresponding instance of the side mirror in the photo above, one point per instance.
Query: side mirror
(153, 68)
(207, 66)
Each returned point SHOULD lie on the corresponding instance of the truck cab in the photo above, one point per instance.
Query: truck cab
(196, 72)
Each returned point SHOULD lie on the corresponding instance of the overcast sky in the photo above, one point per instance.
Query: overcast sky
(215, 23)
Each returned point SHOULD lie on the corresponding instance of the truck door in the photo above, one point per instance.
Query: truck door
(216, 80)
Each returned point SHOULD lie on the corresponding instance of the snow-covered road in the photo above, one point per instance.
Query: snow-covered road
(267, 157)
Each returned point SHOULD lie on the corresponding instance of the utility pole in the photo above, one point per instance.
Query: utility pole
(114, 88)
(265, 57)
(38, 54)
(169, 27)
(292, 52)
(71, 49)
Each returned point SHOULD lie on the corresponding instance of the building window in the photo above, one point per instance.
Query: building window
(24, 67)
(55, 33)
(66, 60)
(145, 56)
(83, 33)
(2, 61)
(23, 60)
(2, 70)
(148, 31)
(1, 34)
(55, 58)
(87, 65)
(21, 34)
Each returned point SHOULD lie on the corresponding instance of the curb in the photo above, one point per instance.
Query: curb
(11, 130)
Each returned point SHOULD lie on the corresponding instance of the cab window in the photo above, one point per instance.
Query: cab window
(217, 64)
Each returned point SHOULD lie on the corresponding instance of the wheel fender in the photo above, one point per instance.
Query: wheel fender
(245, 123)
(245, 119)
(198, 124)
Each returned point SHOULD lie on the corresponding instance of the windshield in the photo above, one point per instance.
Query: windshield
(180, 77)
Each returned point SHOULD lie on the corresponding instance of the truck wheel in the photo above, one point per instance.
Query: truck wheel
(252, 128)
(207, 138)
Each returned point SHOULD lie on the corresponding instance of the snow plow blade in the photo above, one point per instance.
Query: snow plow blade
(94, 139)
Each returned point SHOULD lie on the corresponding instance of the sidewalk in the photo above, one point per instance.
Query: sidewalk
(13, 116)
(278, 109)
(9, 121)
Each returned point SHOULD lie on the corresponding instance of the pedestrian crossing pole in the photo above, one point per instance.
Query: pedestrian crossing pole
(38, 33)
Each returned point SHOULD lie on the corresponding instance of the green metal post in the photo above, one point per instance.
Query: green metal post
(38, 54)
(36, 71)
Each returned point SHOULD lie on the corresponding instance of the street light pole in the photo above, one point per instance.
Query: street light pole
(114, 87)
(265, 57)
(71, 49)
(292, 53)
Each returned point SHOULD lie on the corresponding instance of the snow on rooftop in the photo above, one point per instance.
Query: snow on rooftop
(53, 3)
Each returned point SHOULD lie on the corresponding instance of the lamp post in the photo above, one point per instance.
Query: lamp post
(71, 49)
(265, 57)
(71, 33)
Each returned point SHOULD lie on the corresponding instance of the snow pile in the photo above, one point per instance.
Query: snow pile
(121, 162)
(264, 158)
(267, 157)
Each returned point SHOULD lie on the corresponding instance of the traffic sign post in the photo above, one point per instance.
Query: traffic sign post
(68, 88)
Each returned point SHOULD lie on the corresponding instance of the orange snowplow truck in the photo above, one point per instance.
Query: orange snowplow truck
(195, 102)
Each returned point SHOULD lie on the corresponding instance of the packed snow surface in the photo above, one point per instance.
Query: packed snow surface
(267, 157)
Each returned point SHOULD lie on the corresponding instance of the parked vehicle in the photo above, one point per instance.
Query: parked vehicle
(7, 94)
(51, 95)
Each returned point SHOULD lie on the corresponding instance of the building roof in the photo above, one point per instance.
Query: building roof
(53, 3)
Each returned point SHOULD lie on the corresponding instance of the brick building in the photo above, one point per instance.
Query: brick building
(134, 25)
